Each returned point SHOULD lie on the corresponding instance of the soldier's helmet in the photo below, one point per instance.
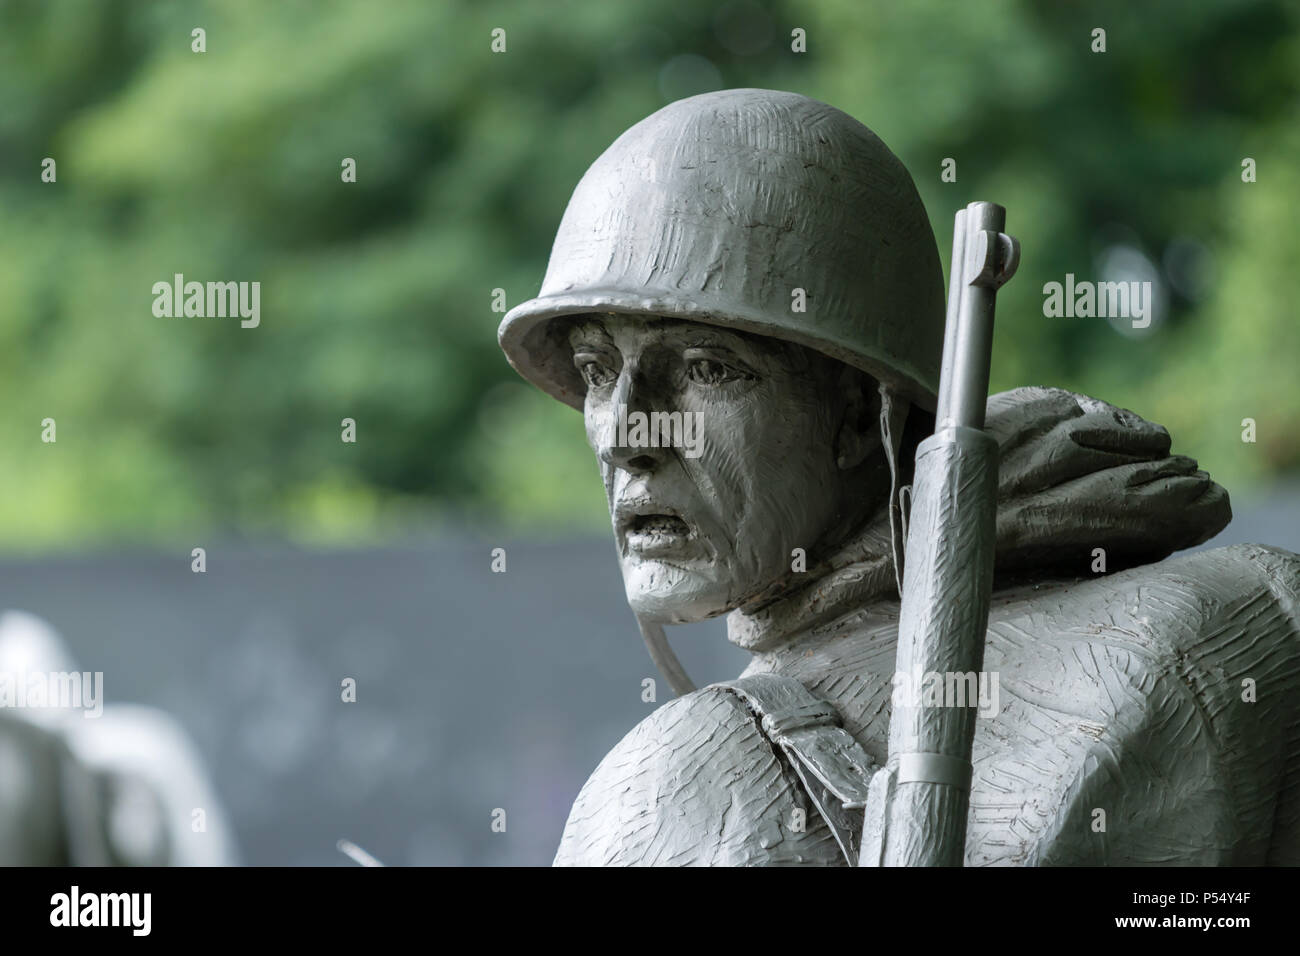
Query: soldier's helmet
(740, 208)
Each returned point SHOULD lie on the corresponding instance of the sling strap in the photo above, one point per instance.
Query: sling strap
(832, 766)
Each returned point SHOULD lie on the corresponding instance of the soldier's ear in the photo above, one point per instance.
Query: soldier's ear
(858, 435)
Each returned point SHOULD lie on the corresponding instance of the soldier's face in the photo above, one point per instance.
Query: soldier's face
(709, 498)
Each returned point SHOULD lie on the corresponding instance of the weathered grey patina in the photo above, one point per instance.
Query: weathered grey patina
(1145, 709)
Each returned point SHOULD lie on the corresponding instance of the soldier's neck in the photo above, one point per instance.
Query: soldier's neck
(860, 573)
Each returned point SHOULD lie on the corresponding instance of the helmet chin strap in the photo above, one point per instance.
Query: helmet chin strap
(893, 415)
(661, 653)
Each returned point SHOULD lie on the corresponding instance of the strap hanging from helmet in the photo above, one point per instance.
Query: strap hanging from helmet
(893, 415)
(661, 652)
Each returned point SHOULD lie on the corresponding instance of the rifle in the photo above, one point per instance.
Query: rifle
(917, 804)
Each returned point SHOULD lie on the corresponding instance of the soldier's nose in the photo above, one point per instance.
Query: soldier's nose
(625, 442)
(633, 459)
(625, 439)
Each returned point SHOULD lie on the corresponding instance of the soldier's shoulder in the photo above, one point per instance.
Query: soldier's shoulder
(695, 782)
(1275, 568)
(1180, 670)
(1246, 582)
(1171, 604)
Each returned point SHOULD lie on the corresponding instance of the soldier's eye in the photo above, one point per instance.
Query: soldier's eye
(707, 372)
(705, 368)
(593, 369)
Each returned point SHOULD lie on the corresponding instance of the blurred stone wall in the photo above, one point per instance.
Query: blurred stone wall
(475, 690)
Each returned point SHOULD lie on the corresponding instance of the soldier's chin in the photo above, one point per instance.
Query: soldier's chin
(670, 594)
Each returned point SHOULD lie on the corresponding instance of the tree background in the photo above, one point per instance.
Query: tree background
(376, 296)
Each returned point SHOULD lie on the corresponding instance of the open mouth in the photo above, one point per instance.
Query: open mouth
(658, 525)
(660, 536)
(649, 528)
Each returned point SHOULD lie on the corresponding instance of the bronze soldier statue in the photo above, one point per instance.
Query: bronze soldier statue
(762, 262)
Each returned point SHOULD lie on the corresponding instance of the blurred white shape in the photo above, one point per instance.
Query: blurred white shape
(354, 852)
(119, 790)
(1126, 263)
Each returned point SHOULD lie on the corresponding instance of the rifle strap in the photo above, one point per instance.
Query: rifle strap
(831, 765)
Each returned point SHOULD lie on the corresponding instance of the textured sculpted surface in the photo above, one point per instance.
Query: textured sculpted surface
(1122, 693)
(696, 783)
(678, 218)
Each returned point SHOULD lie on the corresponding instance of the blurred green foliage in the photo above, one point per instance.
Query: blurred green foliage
(376, 295)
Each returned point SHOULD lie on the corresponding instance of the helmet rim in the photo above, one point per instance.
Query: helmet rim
(525, 338)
